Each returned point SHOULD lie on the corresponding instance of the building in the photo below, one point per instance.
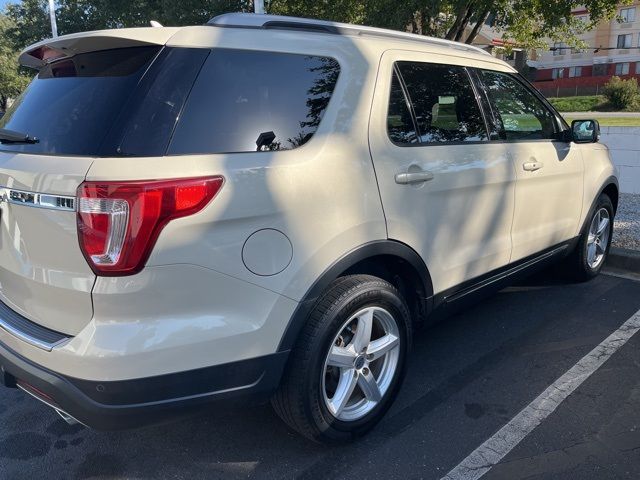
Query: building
(614, 50)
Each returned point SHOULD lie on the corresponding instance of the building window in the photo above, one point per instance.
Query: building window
(622, 68)
(557, 73)
(625, 41)
(575, 72)
(599, 70)
(559, 48)
(628, 15)
(638, 68)
(583, 18)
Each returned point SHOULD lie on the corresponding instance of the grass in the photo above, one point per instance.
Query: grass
(613, 121)
(579, 104)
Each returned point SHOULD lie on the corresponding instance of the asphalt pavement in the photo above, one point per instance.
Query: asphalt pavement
(468, 377)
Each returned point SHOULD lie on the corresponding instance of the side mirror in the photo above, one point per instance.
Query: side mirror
(585, 131)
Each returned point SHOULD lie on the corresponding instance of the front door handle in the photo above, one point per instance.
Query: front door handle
(411, 178)
(532, 166)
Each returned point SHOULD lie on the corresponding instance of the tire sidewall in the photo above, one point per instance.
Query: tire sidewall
(369, 294)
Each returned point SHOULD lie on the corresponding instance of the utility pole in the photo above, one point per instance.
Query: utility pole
(52, 16)
(258, 6)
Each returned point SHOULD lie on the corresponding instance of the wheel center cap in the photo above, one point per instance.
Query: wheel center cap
(359, 362)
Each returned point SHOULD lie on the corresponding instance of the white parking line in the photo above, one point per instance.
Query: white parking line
(504, 440)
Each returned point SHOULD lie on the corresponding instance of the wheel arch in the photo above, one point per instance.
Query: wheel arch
(393, 261)
(611, 188)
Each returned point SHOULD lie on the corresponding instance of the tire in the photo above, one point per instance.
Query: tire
(582, 265)
(309, 396)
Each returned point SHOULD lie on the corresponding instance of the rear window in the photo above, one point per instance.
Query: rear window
(72, 103)
(246, 101)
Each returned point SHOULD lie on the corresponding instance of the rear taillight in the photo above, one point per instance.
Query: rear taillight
(119, 222)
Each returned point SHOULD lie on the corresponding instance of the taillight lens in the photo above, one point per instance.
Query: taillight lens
(119, 222)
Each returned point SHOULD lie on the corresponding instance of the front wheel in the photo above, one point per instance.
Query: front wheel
(593, 246)
(348, 365)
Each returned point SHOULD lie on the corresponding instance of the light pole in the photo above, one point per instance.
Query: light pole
(52, 16)
(259, 6)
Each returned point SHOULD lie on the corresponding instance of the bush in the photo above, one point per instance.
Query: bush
(578, 104)
(622, 94)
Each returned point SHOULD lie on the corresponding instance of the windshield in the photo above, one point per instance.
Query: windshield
(71, 104)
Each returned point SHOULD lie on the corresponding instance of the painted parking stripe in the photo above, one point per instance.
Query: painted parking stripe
(483, 458)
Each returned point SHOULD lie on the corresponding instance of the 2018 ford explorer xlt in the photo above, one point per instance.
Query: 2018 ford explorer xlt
(264, 208)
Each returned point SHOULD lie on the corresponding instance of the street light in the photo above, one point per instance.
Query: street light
(52, 16)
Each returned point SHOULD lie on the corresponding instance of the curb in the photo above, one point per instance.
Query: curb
(624, 259)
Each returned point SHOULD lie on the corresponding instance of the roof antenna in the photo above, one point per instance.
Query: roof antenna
(155, 24)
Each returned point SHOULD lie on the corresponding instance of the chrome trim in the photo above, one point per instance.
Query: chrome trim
(65, 416)
(38, 200)
(29, 339)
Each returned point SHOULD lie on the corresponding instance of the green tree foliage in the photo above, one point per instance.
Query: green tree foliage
(12, 80)
(622, 94)
(528, 23)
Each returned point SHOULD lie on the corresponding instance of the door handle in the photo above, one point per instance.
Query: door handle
(532, 166)
(413, 177)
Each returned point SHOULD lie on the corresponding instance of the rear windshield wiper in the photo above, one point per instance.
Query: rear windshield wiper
(12, 137)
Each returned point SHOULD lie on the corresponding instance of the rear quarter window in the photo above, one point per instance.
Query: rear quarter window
(247, 101)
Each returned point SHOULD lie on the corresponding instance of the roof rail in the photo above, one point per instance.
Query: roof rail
(252, 20)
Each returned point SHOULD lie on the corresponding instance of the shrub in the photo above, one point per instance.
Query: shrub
(622, 94)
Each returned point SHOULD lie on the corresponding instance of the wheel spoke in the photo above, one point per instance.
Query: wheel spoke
(362, 337)
(346, 385)
(381, 346)
(591, 253)
(603, 225)
(341, 357)
(599, 248)
(369, 386)
(594, 223)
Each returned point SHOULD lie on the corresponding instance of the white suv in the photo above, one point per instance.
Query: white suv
(265, 208)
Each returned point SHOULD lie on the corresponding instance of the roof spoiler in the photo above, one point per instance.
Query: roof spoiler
(42, 53)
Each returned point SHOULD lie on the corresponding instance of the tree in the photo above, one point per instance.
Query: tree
(12, 80)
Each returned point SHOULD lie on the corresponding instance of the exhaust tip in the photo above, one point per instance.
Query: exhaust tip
(67, 418)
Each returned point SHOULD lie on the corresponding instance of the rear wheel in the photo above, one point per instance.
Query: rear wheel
(347, 367)
(593, 247)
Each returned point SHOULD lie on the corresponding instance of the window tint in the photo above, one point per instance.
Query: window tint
(444, 103)
(72, 103)
(150, 119)
(520, 113)
(243, 96)
(399, 122)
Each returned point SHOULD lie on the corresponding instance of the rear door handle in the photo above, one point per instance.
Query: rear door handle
(413, 178)
(532, 166)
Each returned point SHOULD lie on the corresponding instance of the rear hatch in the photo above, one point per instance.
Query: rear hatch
(68, 114)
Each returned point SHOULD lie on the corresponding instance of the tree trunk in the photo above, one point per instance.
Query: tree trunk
(464, 24)
(461, 14)
(478, 26)
(3, 103)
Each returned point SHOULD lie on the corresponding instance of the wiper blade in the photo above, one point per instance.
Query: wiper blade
(12, 137)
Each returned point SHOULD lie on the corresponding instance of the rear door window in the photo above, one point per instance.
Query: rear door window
(444, 102)
(246, 101)
(400, 122)
(71, 104)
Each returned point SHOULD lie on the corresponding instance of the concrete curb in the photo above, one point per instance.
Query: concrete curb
(624, 259)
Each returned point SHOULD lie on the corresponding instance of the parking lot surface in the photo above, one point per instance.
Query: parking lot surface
(468, 377)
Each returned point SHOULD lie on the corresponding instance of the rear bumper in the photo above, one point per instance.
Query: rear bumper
(133, 403)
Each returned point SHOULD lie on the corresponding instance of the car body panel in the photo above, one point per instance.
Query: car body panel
(43, 275)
